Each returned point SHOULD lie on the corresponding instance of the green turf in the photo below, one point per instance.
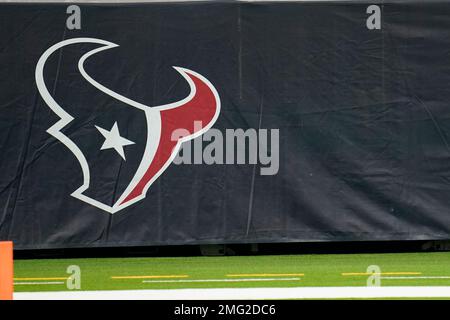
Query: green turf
(318, 270)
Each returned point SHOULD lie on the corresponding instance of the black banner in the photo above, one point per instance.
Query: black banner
(224, 122)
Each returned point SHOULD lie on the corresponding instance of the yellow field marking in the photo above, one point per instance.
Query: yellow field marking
(380, 273)
(267, 275)
(151, 277)
(40, 279)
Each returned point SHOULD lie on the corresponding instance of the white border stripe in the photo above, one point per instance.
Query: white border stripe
(243, 293)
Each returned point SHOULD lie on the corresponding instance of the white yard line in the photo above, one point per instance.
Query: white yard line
(413, 277)
(222, 280)
(242, 293)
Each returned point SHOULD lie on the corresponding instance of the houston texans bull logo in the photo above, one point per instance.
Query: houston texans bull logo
(201, 105)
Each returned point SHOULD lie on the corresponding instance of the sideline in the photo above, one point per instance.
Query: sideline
(243, 293)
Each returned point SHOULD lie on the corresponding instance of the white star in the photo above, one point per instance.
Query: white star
(114, 140)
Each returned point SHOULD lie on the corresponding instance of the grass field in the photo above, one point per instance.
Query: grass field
(346, 270)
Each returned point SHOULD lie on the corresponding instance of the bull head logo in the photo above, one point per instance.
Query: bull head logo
(201, 105)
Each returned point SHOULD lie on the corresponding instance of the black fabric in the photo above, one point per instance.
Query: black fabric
(363, 118)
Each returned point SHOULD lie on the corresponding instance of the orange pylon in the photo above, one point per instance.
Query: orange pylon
(6, 270)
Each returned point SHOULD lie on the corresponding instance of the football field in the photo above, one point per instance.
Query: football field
(412, 275)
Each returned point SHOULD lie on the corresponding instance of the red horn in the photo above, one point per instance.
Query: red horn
(200, 107)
